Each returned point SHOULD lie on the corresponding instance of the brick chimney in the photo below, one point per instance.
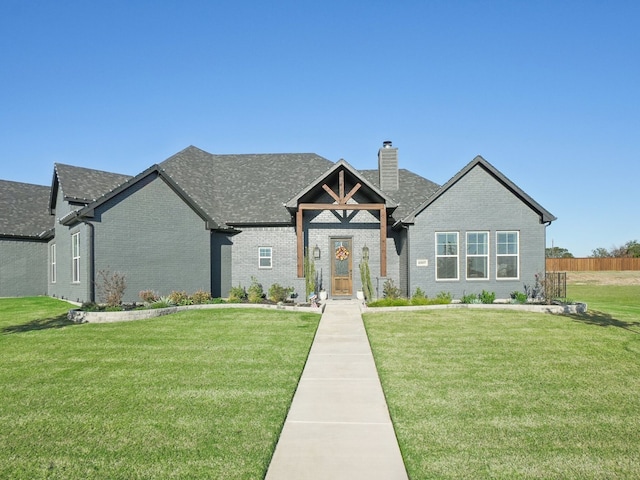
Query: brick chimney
(388, 167)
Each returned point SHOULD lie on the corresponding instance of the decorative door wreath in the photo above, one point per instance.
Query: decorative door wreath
(342, 253)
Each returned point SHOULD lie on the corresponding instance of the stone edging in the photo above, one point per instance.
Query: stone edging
(80, 316)
(556, 309)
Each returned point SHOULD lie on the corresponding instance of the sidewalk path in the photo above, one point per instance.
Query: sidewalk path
(338, 426)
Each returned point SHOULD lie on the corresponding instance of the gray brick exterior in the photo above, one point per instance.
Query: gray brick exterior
(64, 287)
(153, 237)
(244, 258)
(478, 202)
(23, 268)
(361, 227)
(153, 230)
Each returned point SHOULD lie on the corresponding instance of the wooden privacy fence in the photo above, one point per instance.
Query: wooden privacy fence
(592, 264)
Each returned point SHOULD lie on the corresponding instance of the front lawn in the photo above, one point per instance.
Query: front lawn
(508, 395)
(199, 394)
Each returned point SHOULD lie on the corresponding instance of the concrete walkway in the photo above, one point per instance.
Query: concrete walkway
(338, 426)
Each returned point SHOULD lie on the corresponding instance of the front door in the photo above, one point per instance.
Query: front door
(341, 282)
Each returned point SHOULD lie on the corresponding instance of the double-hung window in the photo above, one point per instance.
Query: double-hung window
(477, 255)
(265, 257)
(52, 262)
(75, 257)
(507, 254)
(447, 256)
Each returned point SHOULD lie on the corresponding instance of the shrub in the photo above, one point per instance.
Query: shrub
(518, 297)
(470, 298)
(111, 287)
(218, 300)
(200, 297)
(365, 278)
(278, 293)
(389, 289)
(148, 296)
(90, 307)
(536, 291)
(443, 298)
(179, 298)
(162, 302)
(255, 294)
(237, 294)
(310, 276)
(419, 293)
(417, 300)
(390, 302)
(487, 297)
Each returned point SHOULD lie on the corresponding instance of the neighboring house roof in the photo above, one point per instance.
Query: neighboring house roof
(244, 189)
(24, 210)
(82, 185)
(545, 216)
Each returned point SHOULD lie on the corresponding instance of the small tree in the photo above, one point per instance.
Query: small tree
(110, 287)
(365, 277)
(309, 274)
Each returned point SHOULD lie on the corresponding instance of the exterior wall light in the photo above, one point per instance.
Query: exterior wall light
(316, 252)
(365, 253)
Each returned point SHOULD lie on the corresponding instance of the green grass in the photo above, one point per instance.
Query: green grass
(620, 303)
(199, 394)
(513, 395)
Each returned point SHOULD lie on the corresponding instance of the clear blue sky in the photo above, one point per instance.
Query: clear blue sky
(547, 91)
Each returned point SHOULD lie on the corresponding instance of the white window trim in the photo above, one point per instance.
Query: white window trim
(75, 257)
(52, 262)
(260, 257)
(487, 256)
(457, 257)
(517, 255)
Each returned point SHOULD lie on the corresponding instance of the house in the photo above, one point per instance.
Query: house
(199, 221)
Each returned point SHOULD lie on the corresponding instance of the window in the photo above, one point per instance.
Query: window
(52, 260)
(477, 255)
(447, 256)
(265, 257)
(75, 257)
(507, 254)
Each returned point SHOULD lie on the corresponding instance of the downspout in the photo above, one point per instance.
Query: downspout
(92, 266)
(406, 229)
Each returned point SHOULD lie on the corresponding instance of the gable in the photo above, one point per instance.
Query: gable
(341, 184)
(82, 185)
(475, 179)
(130, 187)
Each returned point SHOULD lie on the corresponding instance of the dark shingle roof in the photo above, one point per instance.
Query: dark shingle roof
(413, 190)
(244, 189)
(240, 189)
(85, 184)
(24, 209)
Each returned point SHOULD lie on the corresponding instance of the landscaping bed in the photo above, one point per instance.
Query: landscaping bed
(82, 316)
